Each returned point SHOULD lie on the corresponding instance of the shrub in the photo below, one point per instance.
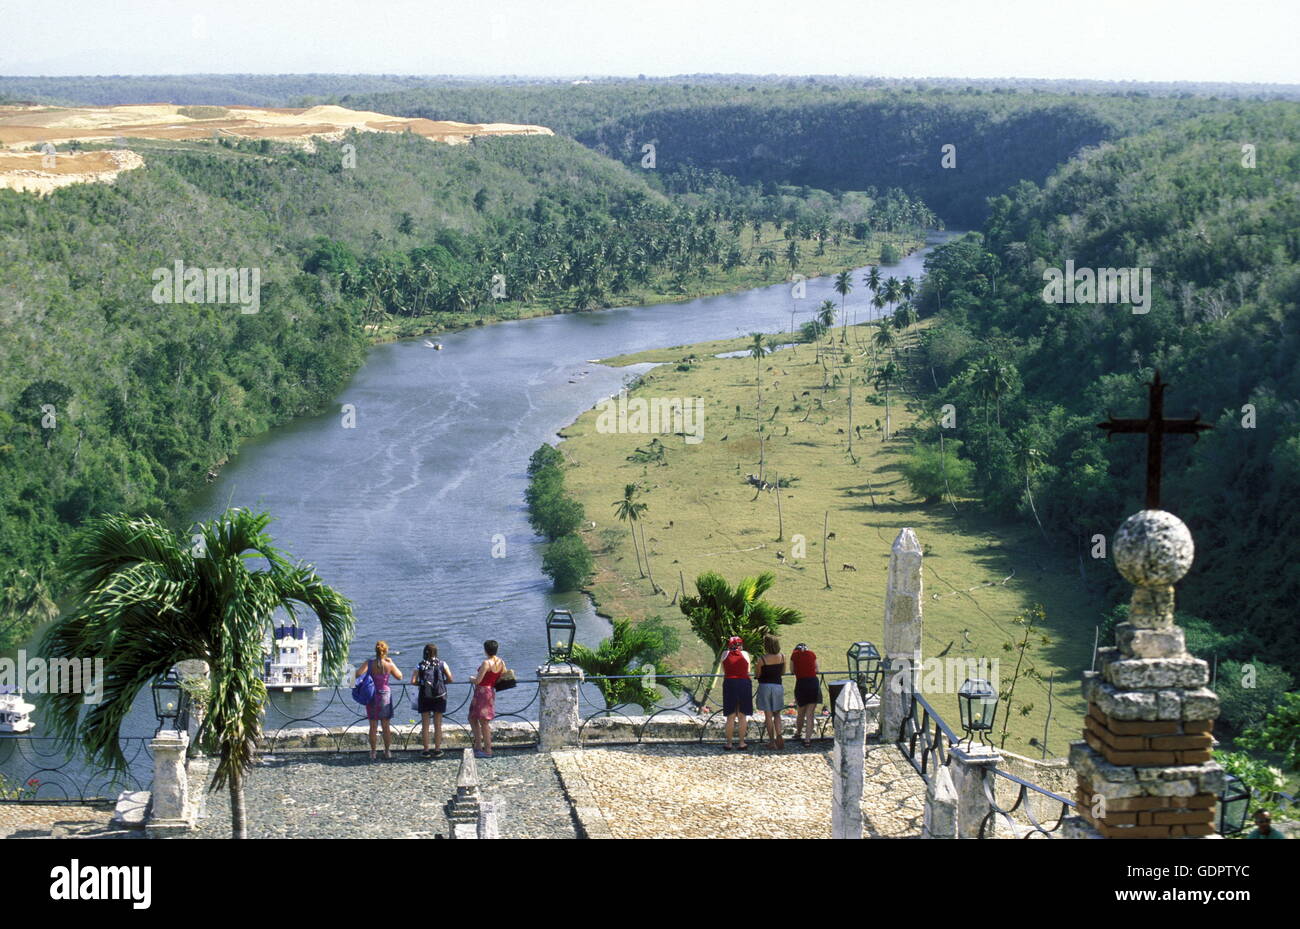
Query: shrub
(1249, 690)
(567, 563)
(931, 474)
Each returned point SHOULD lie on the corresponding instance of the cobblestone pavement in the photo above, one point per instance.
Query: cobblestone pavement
(345, 795)
(693, 791)
(39, 820)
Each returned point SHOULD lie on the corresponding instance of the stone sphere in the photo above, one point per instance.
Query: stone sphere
(1153, 549)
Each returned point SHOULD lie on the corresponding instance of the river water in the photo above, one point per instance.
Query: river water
(401, 511)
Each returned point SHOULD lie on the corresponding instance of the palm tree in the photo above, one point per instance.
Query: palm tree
(892, 291)
(907, 288)
(992, 380)
(1030, 459)
(767, 258)
(887, 375)
(872, 280)
(146, 600)
(843, 287)
(793, 254)
(629, 651)
(756, 351)
(883, 338)
(629, 510)
(719, 611)
(904, 316)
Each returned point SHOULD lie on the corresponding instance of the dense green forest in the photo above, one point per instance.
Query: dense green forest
(1031, 378)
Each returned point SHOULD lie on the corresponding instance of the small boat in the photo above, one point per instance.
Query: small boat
(291, 662)
(15, 713)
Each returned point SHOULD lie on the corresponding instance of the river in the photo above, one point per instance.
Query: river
(400, 511)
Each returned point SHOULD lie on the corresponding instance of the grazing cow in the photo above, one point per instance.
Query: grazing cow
(830, 535)
(848, 567)
(780, 556)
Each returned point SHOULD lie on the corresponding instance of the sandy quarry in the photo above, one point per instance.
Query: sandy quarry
(31, 127)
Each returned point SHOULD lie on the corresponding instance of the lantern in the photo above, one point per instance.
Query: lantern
(560, 629)
(977, 702)
(864, 665)
(1234, 801)
(170, 702)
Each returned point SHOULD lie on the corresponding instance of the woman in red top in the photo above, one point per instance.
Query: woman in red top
(737, 693)
(807, 690)
(483, 707)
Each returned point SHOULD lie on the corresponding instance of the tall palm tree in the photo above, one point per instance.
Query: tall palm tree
(146, 600)
(1029, 459)
(892, 291)
(872, 280)
(757, 349)
(793, 254)
(767, 258)
(629, 510)
(843, 287)
(992, 380)
(718, 611)
(883, 378)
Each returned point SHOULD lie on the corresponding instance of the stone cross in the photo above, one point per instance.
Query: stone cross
(1155, 427)
(1144, 765)
(902, 633)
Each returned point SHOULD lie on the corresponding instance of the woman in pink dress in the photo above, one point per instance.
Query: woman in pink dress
(483, 707)
(380, 708)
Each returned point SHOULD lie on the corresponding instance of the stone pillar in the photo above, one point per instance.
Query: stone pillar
(902, 633)
(464, 809)
(940, 806)
(557, 715)
(970, 769)
(1144, 766)
(170, 809)
(848, 761)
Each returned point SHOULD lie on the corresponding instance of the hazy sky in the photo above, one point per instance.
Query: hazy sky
(1156, 40)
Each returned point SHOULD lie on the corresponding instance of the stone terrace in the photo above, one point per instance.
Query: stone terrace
(702, 792)
(345, 795)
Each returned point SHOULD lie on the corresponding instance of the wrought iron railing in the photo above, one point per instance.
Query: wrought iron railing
(693, 708)
(1028, 796)
(340, 719)
(927, 742)
(924, 737)
(40, 770)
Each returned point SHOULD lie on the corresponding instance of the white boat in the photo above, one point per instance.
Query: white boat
(15, 713)
(291, 661)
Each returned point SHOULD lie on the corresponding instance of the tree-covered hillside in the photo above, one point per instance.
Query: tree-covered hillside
(1029, 378)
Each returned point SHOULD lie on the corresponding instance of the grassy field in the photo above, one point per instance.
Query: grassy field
(979, 574)
(848, 254)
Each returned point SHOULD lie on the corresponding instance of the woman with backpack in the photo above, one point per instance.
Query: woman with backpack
(432, 677)
(483, 707)
(380, 708)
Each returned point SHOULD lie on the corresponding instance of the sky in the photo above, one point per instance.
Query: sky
(1137, 40)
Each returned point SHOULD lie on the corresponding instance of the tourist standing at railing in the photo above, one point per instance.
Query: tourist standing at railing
(807, 690)
(483, 708)
(432, 676)
(737, 694)
(380, 707)
(771, 693)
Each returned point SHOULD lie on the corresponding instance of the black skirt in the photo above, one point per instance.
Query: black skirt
(737, 696)
(807, 690)
(432, 705)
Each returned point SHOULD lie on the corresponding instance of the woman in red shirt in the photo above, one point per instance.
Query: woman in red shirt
(807, 690)
(737, 693)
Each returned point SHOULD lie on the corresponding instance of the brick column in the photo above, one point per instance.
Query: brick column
(1144, 766)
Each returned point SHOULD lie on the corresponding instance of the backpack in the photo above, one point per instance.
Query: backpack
(364, 691)
(432, 684)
